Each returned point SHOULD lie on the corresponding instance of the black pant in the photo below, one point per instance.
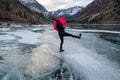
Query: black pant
(61, 35)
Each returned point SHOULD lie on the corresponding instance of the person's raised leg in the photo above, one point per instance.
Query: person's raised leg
(68, 34)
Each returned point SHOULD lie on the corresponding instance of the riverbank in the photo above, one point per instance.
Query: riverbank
(114, 27)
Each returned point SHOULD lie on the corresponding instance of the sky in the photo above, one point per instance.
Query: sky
(52, 5)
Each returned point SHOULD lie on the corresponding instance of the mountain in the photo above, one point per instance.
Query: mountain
(109, 14)
(99, 11)
(67, 13)
(35, 6)
(13, 10)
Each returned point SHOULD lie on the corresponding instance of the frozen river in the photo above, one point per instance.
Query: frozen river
(33, 54)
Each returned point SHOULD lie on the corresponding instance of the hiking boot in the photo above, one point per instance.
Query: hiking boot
(80, 36)
(61, 51)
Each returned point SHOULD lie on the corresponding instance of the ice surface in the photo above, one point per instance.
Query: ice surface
(88, 63)
(92, 66)
(85, 61)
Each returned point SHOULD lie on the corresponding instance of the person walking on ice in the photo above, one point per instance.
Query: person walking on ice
(61, 32)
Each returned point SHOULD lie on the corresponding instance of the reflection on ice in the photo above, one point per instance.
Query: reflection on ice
(42, 60)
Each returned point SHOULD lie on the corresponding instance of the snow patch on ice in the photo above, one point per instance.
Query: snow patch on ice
(27, 37)
(7, 37)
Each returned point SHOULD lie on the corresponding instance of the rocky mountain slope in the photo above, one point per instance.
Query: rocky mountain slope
(35, 6)
(13, 10)
(110, 14)
(100, 11)
(67, 13)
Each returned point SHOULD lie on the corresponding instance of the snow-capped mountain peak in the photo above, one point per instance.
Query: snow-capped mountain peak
(66, 12)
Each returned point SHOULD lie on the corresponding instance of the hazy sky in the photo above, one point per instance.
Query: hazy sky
(52, 5)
